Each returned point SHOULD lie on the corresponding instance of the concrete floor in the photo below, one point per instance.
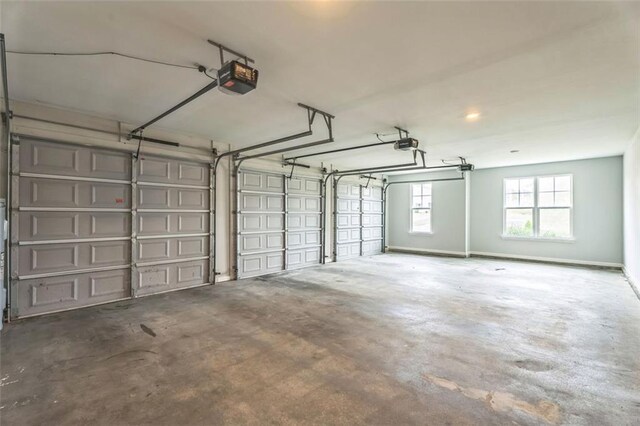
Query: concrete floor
(392, 339)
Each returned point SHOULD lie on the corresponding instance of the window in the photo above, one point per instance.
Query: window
(538, 207)
(519, 206)
(421, 207)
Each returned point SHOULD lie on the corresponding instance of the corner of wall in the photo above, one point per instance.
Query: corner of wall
(631, 227)
(467, 214)
(632, 284)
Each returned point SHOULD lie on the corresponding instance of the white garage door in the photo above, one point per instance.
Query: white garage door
(358, 220)
(278, 222)
(81, 214)
(303, 222)
(371, 220)
(172, 226)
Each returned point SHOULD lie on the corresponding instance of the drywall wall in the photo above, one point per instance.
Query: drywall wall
(597, 213)
(448, 216)
(632, 211)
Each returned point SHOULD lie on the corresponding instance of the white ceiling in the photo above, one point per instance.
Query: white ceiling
(554, 80)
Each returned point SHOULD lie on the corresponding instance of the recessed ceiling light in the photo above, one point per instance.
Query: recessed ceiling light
(472, 116)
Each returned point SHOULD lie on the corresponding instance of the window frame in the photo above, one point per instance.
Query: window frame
(411, 209)
(536, 209)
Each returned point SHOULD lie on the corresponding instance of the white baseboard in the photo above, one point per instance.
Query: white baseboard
(633, 285)
(548, 259)
(427, 251)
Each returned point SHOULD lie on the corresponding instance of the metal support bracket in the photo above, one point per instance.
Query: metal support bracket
(137, 154)
(293, 165)
(222, 49)
(311, 115)
(402, 132)
(4, 116)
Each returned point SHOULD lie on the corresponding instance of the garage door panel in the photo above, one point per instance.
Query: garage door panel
(192, 246)
(172, 171)
(50, 225)
(172, 248)
(50, 193)
(154, 197)
(371, 247)
(261, 263)
(347, 251)
(260, 242)
(108, 164)
(348, 191)
(157, 197)
(303, 204)
(49, 157)
(152, 250)
(303, 185)
(252, 222)
(297, 221)
(348, 235)
(260, 181)
(37, 296)
(154, 224)
(372, 207)
(371, 220)
(372, 233)
(54, 158)
(107, 224)
(348, 220)
(109, 253)
(348, 206)
(295, 204)
(252, 181)
(372, 193)
(192, 222)
(47, 258)
(192, 199)
(161, 278)
(192, 173)
(110, 195)
(37, 192)
(298, 239)
(302, 258)
(261, 202)
(158, 223)
(192, 273)
(154, 169)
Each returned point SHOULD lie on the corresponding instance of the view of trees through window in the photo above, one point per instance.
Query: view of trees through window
(538, 207)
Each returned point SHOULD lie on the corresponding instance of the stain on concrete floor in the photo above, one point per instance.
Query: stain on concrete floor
(391, 339)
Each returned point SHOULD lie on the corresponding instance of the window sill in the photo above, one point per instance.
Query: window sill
(420, 233)
(540, 239)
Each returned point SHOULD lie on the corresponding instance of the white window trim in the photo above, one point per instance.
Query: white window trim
(421, 233)
(536, 210)
(411, 209)
(539, 239)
